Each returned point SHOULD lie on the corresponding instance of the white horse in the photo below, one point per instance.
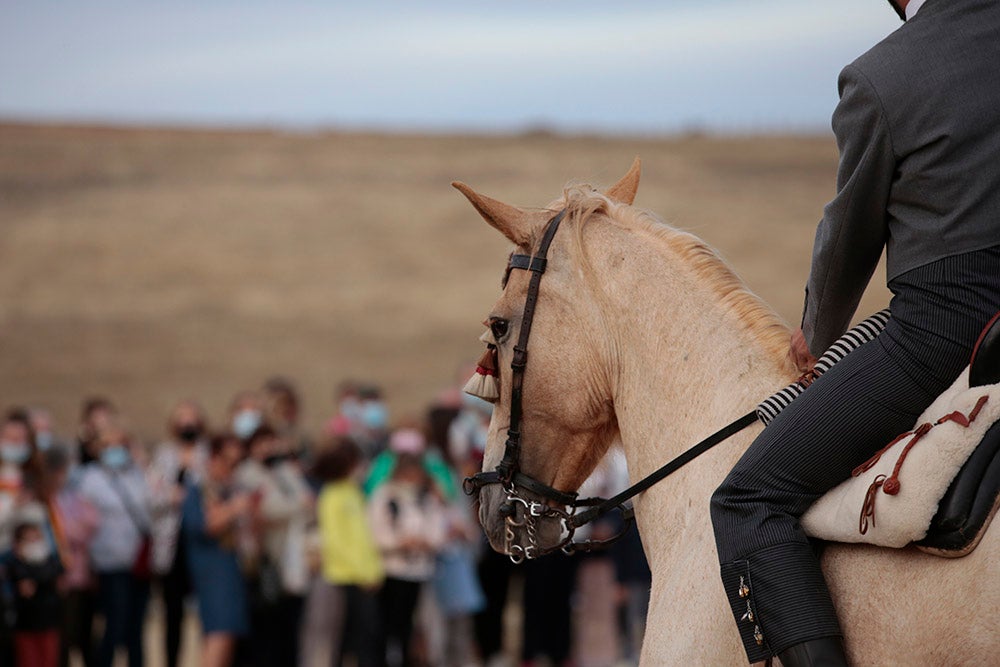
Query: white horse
(643, 334)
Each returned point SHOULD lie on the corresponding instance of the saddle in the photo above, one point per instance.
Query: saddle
(973, 498)
(937, 486)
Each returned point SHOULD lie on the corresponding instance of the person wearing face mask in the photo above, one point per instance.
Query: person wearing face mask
(178, 464)
(283, 505)
(409, 524)
(33, 571)
(215, 513)
(16, 478)
(97, 414)
(284, 409)
(41, 424)
(120, 550)
(374, 417)
(246, 414)
(74, 521)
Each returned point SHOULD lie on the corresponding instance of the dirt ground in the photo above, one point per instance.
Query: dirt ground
(154, 264)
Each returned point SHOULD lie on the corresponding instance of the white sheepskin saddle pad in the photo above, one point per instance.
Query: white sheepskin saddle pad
(865, 508)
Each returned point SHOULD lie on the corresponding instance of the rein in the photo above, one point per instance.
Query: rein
(521, 512)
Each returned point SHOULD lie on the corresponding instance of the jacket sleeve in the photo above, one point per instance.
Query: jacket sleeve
(853, 231)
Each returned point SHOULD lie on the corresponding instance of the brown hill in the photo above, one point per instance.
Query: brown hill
(154, 264)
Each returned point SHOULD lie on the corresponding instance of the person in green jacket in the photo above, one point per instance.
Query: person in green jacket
(411, 441)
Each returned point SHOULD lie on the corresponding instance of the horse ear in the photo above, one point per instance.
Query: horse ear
(624, 190)
(516, 224)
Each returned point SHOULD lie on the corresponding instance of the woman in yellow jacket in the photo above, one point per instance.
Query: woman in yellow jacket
(343, 602)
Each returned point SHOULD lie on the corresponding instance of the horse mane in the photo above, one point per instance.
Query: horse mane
(756, 316)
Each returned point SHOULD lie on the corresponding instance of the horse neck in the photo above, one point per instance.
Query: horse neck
(694, 365)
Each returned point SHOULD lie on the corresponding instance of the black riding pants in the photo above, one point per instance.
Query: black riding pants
(849, 413)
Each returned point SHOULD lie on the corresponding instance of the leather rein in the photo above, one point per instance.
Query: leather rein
(525, 513)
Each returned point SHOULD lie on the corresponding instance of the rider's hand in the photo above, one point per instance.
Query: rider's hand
(799, 352)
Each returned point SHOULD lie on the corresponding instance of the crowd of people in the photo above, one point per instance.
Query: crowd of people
(293, 550)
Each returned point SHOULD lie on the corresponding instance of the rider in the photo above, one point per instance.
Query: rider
(918, 128)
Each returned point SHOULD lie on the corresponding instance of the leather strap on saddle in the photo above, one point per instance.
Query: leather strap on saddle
(985, 365)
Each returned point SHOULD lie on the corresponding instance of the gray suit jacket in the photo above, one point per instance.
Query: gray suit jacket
(918, 128)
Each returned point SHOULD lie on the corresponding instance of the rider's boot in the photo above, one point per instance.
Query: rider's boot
(822, 652)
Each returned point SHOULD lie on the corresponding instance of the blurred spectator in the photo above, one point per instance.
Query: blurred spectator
(98, 414)
(177, 464)
(213, 510)
(246, 414)
(77, 520)
(468, 433)
(408, 522)
(18, 478)
(278, 576)
(32, 571)
(283, 412)
(411, 441)
(346, 421)
(547, 628)
(17, 471)
(456, 586)
(634, 581)
(439, 421)
(374, 422)
(342, 603)
(452, 396)
(41, 424)
(120, 551)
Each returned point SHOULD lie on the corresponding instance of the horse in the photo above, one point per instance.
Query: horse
(644, 337)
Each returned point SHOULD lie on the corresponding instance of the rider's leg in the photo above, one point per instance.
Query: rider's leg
(769, 569)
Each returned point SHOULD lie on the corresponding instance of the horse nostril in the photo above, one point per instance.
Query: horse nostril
(506, 510)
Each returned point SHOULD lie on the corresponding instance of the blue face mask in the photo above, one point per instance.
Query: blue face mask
(14, 453)
(374, 415)
(115, 456)
(44, 440)
(245, 422)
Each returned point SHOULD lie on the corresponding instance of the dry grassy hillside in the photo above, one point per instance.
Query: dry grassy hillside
(150, 265)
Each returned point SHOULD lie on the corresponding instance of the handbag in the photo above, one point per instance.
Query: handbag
(142, 567)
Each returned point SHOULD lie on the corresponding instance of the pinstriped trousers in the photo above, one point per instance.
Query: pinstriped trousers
(770, 571)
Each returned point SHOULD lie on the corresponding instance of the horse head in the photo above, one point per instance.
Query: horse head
(566, 419)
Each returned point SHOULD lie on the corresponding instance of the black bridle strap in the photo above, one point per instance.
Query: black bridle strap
(536, 265)
(481, 479)
(605, 506)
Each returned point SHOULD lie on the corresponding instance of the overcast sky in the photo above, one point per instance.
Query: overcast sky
(643, 67)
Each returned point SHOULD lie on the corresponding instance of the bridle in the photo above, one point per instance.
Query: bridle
(519, 511)
(523, 512)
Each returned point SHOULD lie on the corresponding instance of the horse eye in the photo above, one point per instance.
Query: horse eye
(499, 328)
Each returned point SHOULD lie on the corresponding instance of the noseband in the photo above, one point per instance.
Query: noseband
(518, 511)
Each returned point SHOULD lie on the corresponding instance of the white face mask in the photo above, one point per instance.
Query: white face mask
(36, 552)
